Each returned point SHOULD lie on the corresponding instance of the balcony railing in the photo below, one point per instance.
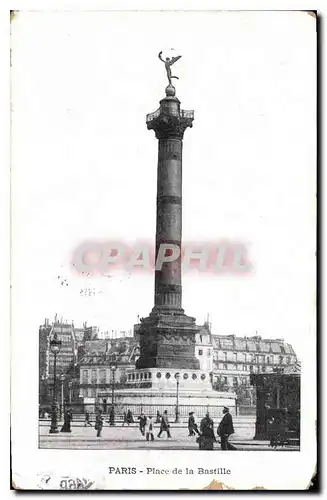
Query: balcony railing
(187, 113)
(152, 116)
(183, 113)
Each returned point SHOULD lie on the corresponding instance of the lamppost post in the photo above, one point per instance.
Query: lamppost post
(62, 379)
(55, 346)
(112, 414)
(70, 383)
(177, 376)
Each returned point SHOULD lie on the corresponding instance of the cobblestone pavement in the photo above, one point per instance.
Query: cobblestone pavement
(119, 437)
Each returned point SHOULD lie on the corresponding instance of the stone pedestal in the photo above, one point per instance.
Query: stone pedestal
(155, 388)
(167, 340)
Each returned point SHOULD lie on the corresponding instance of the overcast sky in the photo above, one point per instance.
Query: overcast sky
(84, 164)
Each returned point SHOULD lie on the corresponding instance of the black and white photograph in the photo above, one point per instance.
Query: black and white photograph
(163, 173)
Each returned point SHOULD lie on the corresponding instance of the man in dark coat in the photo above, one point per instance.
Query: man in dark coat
(192, 426)
(112, 416)
(142, 419)
(207, 436)
(164, 425)
(225, 429)
(130, 419)
(99, 423)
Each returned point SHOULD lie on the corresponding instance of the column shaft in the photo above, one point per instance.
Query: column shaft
(168, 291)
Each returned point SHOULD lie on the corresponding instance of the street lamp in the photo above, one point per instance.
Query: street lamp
(62, 379)
(177, 377)
(112, 412)
(55, 346)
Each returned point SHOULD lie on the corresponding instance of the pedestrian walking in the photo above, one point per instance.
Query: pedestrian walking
(142, 420)
(112, 416)
(149, 429)
(99, 423)
(225, 429)
(192, 425)
(207, 436)
(158, 418)
(130, 418)
(67, 421)
(164, 425)
(87, 422)
(125, 421)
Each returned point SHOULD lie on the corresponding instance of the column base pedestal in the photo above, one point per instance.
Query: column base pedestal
(167, 340)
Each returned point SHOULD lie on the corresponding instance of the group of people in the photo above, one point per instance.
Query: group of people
(207, 437)
(146, 425)
(205, 434)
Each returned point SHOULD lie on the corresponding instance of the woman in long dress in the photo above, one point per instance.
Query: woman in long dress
(67, 421)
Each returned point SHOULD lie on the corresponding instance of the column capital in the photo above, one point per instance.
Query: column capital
(169, 121)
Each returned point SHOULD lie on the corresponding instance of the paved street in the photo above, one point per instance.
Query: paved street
(130, 438)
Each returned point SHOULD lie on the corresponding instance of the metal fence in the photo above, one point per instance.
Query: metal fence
(246, 410)
(137, 409)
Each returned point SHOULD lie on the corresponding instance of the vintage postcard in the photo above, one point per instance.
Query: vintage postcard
(163, 176)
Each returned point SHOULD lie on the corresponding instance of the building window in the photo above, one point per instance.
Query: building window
(133, 376)
(94, 392)
(149, 375)
(235, 357)
(167, 375)
(281, 360)
(201, 339)
(85, 376)
(225, 356)
(102, 376)
(200, 352)
(194, 376)
(158, 375)
(225, 367)
(89, 392)
(251, 368)
(245, 368)
(93, 377)
(263, 368)
(185, 376)
(225, 380)
(235, 380)
(137, 376)
(203, 376)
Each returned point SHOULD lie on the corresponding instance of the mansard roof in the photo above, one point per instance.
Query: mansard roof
(251, 344)
(104, 352)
